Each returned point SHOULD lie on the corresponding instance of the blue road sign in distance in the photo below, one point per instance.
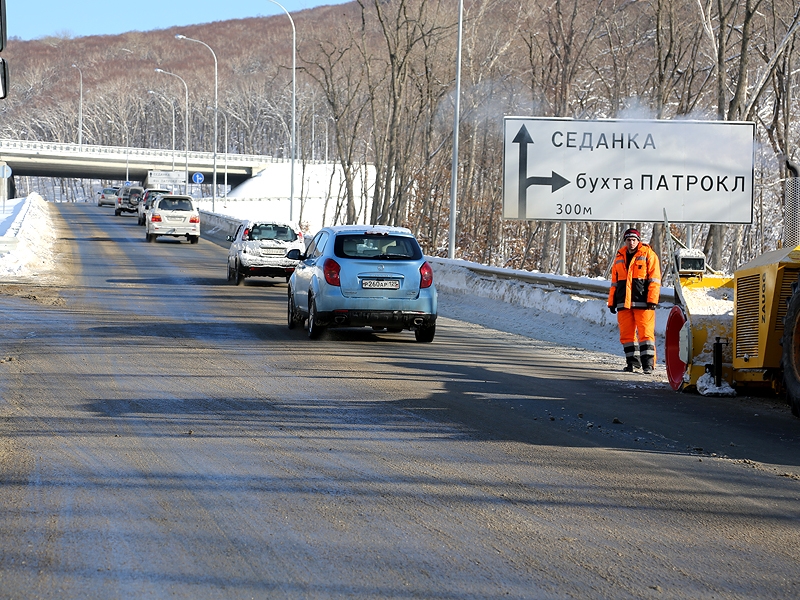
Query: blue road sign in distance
(198, 178)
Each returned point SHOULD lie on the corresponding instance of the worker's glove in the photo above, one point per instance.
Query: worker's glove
(651, 306)
(612, 310)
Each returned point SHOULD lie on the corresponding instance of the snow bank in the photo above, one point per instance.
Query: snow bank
(457, 276)
(31, 227)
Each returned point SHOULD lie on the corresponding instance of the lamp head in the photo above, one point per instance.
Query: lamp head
(180, 37)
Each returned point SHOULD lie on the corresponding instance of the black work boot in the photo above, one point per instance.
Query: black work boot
(633, 363)
(648, 351)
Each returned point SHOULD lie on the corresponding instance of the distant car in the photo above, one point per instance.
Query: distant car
(361, 275)
(128, 199)
(259, 248)
(174, 216)
(147, 202)
(107, 196)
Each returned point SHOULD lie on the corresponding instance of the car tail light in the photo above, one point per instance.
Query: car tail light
(425, 275)
(194, 219)
(331, 270)
(155, 219)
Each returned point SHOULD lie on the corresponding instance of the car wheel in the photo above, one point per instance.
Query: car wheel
(193, 239)
(238, 278)
(425, 334)
(149, 237)
(314, 329)
(291, 313)
(229, 273)
(116, 212)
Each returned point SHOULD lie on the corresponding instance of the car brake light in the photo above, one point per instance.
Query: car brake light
(194, 219)
(331, 270)
(426, 275)
(155, 219)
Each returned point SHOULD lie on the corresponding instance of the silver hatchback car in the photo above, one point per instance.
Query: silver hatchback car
(363, 276)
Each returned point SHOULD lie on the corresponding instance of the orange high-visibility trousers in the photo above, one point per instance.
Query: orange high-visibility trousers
(637, 324)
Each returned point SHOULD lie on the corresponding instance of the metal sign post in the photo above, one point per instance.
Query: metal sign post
(5, 175)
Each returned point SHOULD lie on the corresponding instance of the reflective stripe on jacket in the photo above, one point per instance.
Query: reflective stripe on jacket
(641, 285)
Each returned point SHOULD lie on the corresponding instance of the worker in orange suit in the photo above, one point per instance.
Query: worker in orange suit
(634, 294)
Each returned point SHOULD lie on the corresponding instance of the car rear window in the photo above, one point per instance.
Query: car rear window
(272, 231)
(167, 204)
(378, 247)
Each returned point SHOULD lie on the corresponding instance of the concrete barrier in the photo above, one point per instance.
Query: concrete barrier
(217, 228)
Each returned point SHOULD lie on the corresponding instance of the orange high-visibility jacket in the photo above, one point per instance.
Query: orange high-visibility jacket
(639, 286)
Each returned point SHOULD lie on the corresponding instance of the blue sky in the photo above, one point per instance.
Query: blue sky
(33, 19)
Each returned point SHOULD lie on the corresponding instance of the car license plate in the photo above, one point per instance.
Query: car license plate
(380, 284)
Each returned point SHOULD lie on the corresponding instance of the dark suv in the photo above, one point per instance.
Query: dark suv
(128, 199)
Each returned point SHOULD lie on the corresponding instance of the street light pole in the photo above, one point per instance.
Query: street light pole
(451, 246)
(216, 110)
(225, 138)
(127, 154)
(185, 127)
(80, 108)
(294, 107)
(172, 104)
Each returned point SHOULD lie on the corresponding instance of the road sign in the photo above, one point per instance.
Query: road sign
(128, 183)
(5, 171)
(628, 170)
(166, 177)
(198, 178)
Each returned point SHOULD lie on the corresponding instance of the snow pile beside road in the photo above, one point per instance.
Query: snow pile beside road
(541, 311)
(35, 238)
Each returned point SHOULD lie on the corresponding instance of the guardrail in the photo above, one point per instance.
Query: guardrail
(579, 285)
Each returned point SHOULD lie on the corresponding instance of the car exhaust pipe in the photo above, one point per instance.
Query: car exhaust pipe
(340, 319)
(418, 321)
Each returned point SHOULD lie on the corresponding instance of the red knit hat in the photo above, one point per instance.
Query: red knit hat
(631, 233)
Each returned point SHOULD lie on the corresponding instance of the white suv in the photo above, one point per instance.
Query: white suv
(175, 216)
(147, 202)
(259, 248)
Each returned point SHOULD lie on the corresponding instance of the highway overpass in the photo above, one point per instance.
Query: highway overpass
(114, 163)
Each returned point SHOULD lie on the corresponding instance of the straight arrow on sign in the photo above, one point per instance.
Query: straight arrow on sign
(555, 181)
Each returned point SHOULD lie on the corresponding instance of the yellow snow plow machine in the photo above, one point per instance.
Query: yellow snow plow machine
(741, 332)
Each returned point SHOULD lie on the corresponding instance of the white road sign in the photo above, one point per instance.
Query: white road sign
(5, 171)
(628, 170)
(166, 177)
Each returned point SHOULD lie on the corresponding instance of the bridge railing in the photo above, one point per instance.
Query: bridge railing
(26, 146)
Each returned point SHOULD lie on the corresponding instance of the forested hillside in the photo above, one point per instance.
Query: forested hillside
(376, 82)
